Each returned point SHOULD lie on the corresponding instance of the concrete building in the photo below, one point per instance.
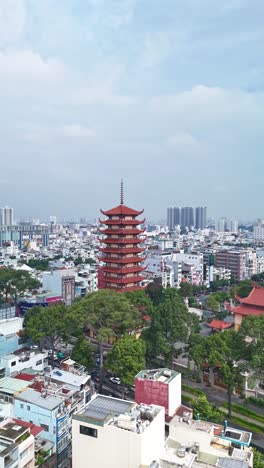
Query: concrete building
(9, 388)
(200, 217)
(47, 411)
(258, 232)
(233, 260)
(6, 216)
(114, 433)
(173, 217)
(21, 359)
(11, 335)
(160, 387)
(200, 444)
(16, 446)
(60, 282)
(187, 217)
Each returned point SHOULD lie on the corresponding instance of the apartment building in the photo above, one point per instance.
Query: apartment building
(115, 433)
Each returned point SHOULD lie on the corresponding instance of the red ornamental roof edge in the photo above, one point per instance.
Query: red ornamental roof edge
(219, 324)
(121, 210)
(255, 297)
(246, 310)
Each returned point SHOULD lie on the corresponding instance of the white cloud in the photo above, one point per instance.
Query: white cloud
(77, 131)
(12, 20)
(25, 64)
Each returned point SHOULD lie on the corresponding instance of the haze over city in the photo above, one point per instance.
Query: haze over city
(169, 96)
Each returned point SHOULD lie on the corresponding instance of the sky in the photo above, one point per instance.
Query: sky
(167, 94)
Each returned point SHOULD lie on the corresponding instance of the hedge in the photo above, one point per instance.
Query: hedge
(245, 412)
(192, 390)
(255, 401)
(248, 425)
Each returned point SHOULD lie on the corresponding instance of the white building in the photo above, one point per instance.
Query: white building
(258, 232)
(16, 446)
(113, 433)
(13, 363)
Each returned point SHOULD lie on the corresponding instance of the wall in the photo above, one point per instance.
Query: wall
(118, 448)
(38, 416)
(174, 394)
(28, 459)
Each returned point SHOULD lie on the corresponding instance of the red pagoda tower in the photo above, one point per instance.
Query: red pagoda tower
(253, 304)
(122, 249)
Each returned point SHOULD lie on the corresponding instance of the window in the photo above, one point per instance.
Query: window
(21, 405)
(25, 453)
(13, 363)
(45, 427)
(28, 407)
(89, 431)
(39, 362)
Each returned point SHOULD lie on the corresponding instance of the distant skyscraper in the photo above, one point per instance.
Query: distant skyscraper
(6, 216)
(173, 217)
(232, 225)
(53, 219)
(200, 217)
(220, 225)
(187, 217)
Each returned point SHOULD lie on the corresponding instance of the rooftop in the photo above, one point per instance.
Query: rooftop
(255, 297)
(122, 414)
(12, 431)
(69, 378)
(12, 385)
(164, 375)
(43, 400)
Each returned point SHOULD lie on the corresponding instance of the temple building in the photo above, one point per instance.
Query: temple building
(251, 305)
(121, 251)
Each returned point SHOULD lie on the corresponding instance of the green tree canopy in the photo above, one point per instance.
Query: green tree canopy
(140, 300)
(252, 333)
(206, 411)
(38, 264)
(186, 289)
(171, 323)
(15, 283)
(223, 351)
(242, 289)
(155, 291)
(127, 358)
(108, 313)
(48, 323)
(82, 352)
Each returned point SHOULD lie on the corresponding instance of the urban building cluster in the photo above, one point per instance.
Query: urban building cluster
(54, 413)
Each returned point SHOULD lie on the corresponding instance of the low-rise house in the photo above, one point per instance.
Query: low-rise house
(16, 446)
(9, 388)
(22, 358)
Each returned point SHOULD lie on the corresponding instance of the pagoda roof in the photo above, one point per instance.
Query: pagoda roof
(122, 250)
(125, 280)
(122, 231)
(122, 222)
(122, 240)
(246, 310)
(124, 270)
(122, 260)
(121, 210)
(219, 324)
(255, 297)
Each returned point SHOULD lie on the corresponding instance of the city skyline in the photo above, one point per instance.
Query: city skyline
(93, 91)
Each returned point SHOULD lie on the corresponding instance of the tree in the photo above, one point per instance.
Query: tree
(206, 411)
(258, 459)
(38, 264)
(14, 283)
(242, 289)
(251, 332)
(212, 304)
(127, 358)
(83, 352)
(171, 323)
(50, 324)
(186, 289)
(155, 291)
(140, 300)
(109, 314)
(221, 351)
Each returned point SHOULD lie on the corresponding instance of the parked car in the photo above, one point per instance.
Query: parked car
(115, 380)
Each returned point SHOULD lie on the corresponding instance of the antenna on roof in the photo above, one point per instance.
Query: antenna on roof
(122, 192)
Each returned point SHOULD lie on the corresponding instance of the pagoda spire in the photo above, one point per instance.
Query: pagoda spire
(122, 192)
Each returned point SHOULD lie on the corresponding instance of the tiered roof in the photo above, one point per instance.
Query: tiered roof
(253, 304)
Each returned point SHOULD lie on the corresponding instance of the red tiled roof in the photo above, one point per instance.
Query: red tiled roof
(255, 298)
(219, 324)
(34, 430)
(246, 310)
(122, 210)
(27, 377)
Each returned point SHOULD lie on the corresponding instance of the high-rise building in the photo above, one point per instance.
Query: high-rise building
(173, 217)
(6, 216)
(121, 270)
(200, 217)
(220, 225)
(234, 260)
(187, 217)
(53, 219)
